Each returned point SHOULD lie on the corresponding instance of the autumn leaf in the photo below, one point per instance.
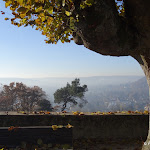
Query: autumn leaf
(7, 3)
(38, 21)
(146, 112)
(50, 10)
(67, 13)
(89, 2)
(69, 126)
(22, 15)
(39, 9)
(6, 18)
(12, 128)
(49, 20)
(54, 127)
(60, 126)
(76, 113)
(48, 113)
(20, 2)
(2, 12)
(81, 113)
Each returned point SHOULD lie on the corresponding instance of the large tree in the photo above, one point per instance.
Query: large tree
(29, 97)
(18, 96)
(72, 93)
(95, 24)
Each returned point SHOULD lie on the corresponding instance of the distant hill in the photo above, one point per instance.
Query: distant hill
(50, 85)
(130, 96)
(140, 84)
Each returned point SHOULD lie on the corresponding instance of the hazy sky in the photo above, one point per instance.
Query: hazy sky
(24, 53)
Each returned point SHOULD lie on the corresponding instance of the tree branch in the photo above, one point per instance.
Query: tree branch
(102, 30)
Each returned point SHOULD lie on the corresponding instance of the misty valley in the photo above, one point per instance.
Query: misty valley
(114, 93)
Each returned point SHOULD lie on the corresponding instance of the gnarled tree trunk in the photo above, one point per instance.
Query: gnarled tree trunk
(144, 61)
(102, 30)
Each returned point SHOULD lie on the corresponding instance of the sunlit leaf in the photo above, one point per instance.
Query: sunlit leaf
(39, 9)
(7, 3)
(69, 126)
(89, 2)
(81, 113)
(20, 2)
(146, 112)
(22, 15)
(54, 127)
(60, 126)
(76, 113)
(67, 13)
(50, 10)
(6, 18)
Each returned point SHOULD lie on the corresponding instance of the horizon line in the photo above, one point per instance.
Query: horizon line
(75, 77)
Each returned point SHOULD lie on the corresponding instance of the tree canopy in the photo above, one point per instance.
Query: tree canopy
(72, 93)
(54, 18)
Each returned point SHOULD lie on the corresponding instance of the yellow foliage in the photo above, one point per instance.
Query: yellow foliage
(54, 127)
(69, 126)
(146, 112)
(7, 3)
(76, 112)
(53, 18)
(6, 18)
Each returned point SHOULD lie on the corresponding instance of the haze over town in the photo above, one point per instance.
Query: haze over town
(104, 93)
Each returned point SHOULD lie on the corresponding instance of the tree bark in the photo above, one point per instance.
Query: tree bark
(102, 30)
(144, 61)
(64, 106)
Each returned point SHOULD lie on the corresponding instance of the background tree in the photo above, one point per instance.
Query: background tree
(96, 24)
(20, 97)
(29, 97)
(73, 93)
(44, 105)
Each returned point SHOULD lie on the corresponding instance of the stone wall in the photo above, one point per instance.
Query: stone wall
(87, 126)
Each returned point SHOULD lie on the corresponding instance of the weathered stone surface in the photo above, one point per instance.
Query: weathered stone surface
(98, 126)
(98, 132)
